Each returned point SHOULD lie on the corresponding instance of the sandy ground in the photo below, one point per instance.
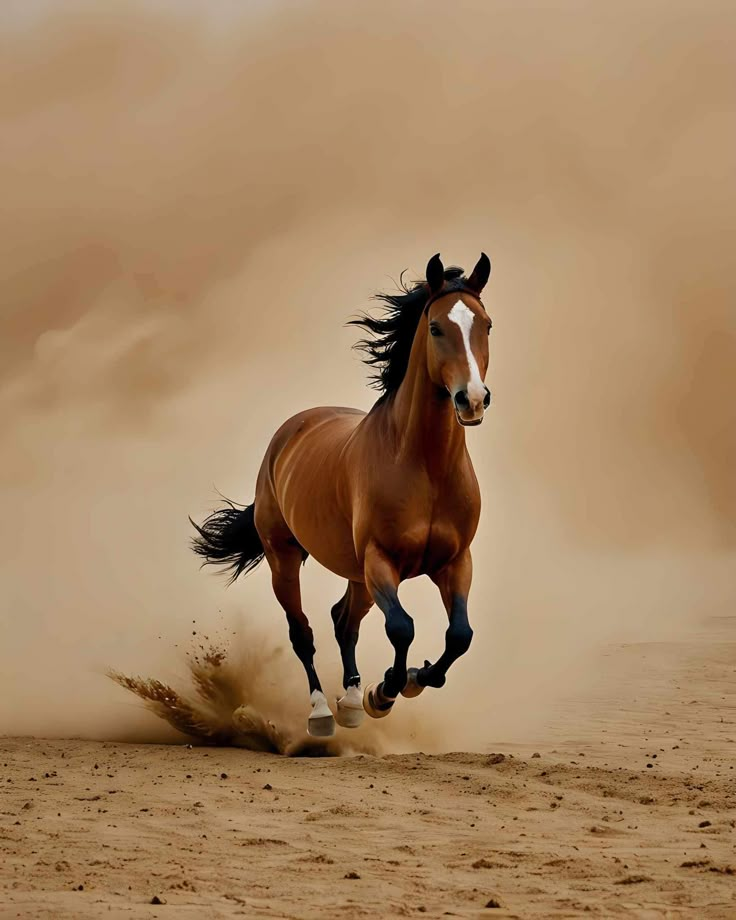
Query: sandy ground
(627, 809)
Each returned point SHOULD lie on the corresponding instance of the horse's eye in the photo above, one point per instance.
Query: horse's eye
(434, 330)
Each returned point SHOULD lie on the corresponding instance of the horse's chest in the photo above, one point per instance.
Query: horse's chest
(431, 533)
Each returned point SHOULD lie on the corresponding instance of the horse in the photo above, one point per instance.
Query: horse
(377, 497)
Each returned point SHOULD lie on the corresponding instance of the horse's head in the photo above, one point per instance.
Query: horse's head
(457, 344)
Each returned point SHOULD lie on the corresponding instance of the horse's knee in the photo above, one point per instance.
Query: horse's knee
(459, 637)
(302, 638)
(346, 636)
(338, 611)
(399, 628)
(344, 632)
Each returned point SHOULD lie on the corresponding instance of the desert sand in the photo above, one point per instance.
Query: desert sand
(627, 808)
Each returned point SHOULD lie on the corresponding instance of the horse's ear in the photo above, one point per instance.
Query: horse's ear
(481, 273)
(435, 274)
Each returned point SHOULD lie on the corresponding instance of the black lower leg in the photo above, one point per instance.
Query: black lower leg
(400, 631)
(350, 673)
(457, 641)
(302, 640)
(347, 639)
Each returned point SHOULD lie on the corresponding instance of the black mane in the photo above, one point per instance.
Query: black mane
(392, 334)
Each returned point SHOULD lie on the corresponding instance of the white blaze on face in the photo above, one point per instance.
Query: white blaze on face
(464, 317)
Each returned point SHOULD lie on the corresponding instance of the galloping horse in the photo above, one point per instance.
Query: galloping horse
(379, 497)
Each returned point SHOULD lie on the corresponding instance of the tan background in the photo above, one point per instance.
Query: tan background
(193, 205)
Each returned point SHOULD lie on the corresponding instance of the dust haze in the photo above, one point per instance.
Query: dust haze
(195, 202)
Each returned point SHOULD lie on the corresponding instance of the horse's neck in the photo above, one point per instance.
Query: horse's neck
(423, 418)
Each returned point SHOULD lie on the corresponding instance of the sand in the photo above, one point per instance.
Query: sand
(627, 808)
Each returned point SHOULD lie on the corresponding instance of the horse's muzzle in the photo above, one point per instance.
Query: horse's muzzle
(470, 411)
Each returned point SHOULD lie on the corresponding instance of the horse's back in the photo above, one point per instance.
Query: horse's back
(314, 434)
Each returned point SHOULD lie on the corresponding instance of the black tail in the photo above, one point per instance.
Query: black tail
(229, 537)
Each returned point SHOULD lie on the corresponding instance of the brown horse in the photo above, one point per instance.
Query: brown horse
(380, 497)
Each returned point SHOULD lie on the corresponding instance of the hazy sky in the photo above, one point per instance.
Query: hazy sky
(191, 215)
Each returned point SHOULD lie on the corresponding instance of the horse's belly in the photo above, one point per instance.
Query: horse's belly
(327, 537)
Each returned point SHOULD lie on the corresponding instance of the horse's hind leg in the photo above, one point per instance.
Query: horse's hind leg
(347, 615)
(284, 557)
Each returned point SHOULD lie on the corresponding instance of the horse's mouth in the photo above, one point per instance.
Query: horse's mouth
(468, 423)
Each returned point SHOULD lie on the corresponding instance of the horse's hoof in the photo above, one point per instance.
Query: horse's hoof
(321, 723)
(321, 727)
(375, 703)
(412, 687)
(350, 708)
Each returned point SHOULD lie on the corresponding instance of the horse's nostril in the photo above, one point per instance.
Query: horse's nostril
(487, 398)
(461, 399)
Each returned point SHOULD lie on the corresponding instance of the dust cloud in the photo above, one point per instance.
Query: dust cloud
(242, 692)
(194, 203)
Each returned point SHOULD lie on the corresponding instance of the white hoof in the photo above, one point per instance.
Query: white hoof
(350, 710)
(321, 723)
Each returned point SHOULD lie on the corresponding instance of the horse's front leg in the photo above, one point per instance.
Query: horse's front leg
(454, 584)
(382, 581)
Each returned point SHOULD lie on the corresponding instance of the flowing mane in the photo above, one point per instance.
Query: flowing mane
(391, 335)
